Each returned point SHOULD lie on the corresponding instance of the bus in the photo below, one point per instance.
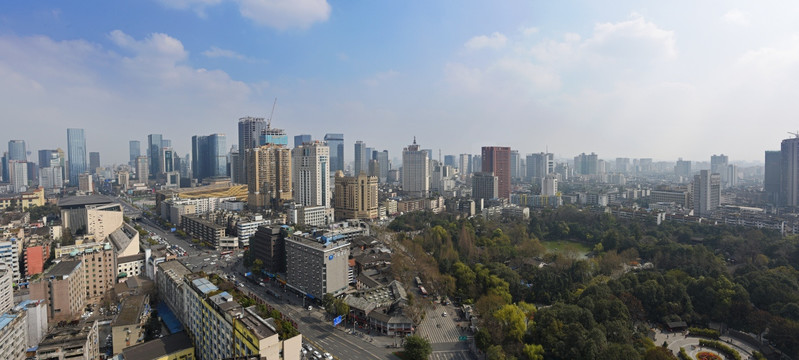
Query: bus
(226, 252)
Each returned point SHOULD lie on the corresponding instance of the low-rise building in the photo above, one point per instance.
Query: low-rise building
(79, 341)
(202, 229)
(127, 328)
(317, 266)
(177, 346)
(133, 265)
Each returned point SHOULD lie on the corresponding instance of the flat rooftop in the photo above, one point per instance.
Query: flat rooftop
(63, 268)
(131, 309)
(159, 348)
(79, 201)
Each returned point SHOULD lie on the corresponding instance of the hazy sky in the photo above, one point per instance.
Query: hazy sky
(661, 79)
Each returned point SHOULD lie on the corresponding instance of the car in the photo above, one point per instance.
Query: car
(307, 347)
(261, 283)
(327, 356)
(317, 355)
(304, 352)
(444, 314)
(310, 307)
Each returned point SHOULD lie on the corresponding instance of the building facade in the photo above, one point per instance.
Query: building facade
(355, 197)
(269, 175)
(496, 159)
(311, 174)
(415, 171)
(336, 144)
(317, 266)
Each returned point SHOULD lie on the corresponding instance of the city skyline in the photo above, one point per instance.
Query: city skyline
(659, 81)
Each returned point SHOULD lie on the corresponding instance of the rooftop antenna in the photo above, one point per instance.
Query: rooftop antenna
(796, 134)
(269, 121)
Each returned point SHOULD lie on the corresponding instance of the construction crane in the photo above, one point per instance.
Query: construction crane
(269, 121)
(796, 134)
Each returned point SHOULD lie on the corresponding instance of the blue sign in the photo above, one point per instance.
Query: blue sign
(173, 229)
(337, 320)
(330, 257)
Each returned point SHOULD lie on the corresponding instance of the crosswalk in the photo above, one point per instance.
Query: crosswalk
(451, 355)
(438, 329)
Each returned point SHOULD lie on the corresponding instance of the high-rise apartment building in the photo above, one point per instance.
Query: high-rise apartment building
(706, 192)
(383, 165)
(449, 160)
(94, 162)
(539, 165)
(154, 145)
(683, 168)
(622, 165)
(771, 181)
(336, 144)
(718, 165)
(415, 171)
(250, 129)
(465, 164)
(135, 151)
(361, 157)
(586, 164)
(311, 174)
(208, 156)
(76, 153)
(355, 197)
(477, 163)
(18, 175)
(485, 186)
(6, 288)
(268, 175)
(549, 185)
(496, 159)
(515, 164)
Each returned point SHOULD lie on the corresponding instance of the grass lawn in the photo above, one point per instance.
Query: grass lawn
(562, 245)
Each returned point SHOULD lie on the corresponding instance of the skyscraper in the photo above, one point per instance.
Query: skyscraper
(496, 159)
(485, 186)
(94, 162)
(300, 139)
(549, 185)
(789, 167)
(415, 171)
(154, 144)
(208, 156)
(361, 159)
(383, 165)
(706, 192)
(771, 181)
(539, 165)
(250, 129)
(718, 165)
(465, 164)
(135, 151)
(336, 144)
(622, 165)
(76, 153)
(18, 175)
(311, 174)
(355, 197)
(142, 168)
(268, 175)
(49, 158)
(449, 160)
(586, 164)
(515, 164)
(682, 168)
(16, 150)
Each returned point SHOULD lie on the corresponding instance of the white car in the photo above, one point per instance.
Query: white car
(327, 356)
(317, 355)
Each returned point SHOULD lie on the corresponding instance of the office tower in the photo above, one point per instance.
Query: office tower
(208, 156)
(361, 159)
(383, 165)
(268, 175)
(496, 159)
(477, 163)
(549, 185)
(789, 183)
(415, 171)
(622, 165)
(154, 144)
(355, 197)
(336, 144)
(771, 181)
(539, 165)
(300, 139)
(718, 165)
(485, 186)
(465, 164)
(135, 151)
(18, 175)
(311, 174)
(16, 150)
(4, 165)
(76, 153)
(450, 160)
(234, 161)
(51, 177)
(515, 164)
(250, 129)
(706, 192)
(274, 136)
(49, 158)
(682, 168)
(732, 175)
(94, 162)
(586, 164)
(166, 160)
(142, 168)
(166, 143)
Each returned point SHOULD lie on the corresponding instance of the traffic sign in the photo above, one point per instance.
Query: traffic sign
(337, 320)
(462, 338)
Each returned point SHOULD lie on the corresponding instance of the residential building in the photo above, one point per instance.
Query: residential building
(317, 266)
(355, 197)
(23, 200)
(63, 288)
(683, 168)
(6, 288)
(269, 176)
(789, 167)
(176, 346)
(18, 175)
(336, 144)
(311, 174)
(706, 192)
(718, 165)
(496, 159)
(485, 186)
(465, 164)
(549, 185)
(679, 197)
(772, 176)
(203, 229)
(142, 169)
(269, 245)
(74, 342)
(86, 183)
(415, 171)
(127, 327)
(246, 228)
(9, 256)
(130, 266)
(35, 256)
(586, 164)
(171, 287)
(36, 319)
(383, 166)
(310, 215)
(250, 129)
(99, 262)
(13, 335)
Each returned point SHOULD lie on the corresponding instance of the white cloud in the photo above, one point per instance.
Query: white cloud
(380, 77)
(529, 31)
(494, 41)
(278, 14)
(632, 38)
(215, 52)
(736, 17)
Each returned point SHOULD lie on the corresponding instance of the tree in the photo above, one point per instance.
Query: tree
(534, 352)
(257, 265)
(495, 352)
(513, 321)
(417, 348)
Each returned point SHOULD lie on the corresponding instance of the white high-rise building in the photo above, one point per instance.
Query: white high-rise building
(18, 175)
(706, 192)
(415, 171)
(549, 185)
(311, 174)
(9, 255)
(789, 165)
(6, 288)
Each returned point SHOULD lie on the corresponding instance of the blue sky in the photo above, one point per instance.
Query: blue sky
(623, 78)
